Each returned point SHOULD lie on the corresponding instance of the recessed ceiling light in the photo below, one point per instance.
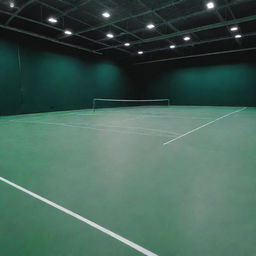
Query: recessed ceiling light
(238, 36)
(12, 5)
(140, 52)
(109, 35)
(68, 32)
(127, 44)
(150, 26)
(234, 28)
(210, 5)
(52, 20)
(106, 14)
(186, 38)
(172, 46)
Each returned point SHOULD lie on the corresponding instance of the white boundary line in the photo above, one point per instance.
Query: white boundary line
(169, 133)
(128, 119)
(79, 217)
(146, 115)
(93, 128)
(202, 126)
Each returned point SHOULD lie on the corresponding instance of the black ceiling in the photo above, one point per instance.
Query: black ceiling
(173, 19)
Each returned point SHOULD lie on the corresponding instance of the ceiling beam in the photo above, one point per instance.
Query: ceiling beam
(48, 26)
(199, 43)
(159, 17)
(230, 10)
(233, 17)
(80, 36)
(74, 8)
(18, 11)
(115, 26)
(221, 19)
(170, 4)
(46, 38)
(55, 28)
(197, 55)
(122, 29)
(60, 12)
(195, 14)
(194, 30)
(169, 24)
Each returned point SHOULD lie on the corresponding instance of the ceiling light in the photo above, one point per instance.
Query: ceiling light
(127, 44)
(109, 35)
(140, 52)
(150, 26)
(186, 38)
(234, 29)
(106, 14)
(238, 36)
(210, 5)
(68, 32)
(172, 46)
(12, 5)
(52, 20)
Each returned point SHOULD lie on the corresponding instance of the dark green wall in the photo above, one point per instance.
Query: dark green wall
(230, 84)
(48, 81)
(10, 99)
(36, 77)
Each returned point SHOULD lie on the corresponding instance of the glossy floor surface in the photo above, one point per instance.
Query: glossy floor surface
(177, 181)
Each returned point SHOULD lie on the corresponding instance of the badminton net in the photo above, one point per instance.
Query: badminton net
(106, 103)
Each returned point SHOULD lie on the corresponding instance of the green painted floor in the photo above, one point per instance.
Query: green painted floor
(193, 197)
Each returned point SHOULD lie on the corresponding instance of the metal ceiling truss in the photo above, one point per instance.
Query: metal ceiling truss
(118, 27)
(198, 55)
(61, 14)
(195, 14)
(74, 8)
(194, 30)
(221, 19)
(159, 17)
(199, 43)
(18, 11)
(169, 24)
(103, 42)
(115, 26)
(46, 38)
(170, 4)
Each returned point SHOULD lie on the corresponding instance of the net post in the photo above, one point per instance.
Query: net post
(168, 102)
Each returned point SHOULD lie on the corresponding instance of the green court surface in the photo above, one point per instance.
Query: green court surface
(177, 181)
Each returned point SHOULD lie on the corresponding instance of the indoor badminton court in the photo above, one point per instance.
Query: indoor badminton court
(127, 128)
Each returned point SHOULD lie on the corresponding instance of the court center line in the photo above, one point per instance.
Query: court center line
(202, 126)
(92, 128)
(79, 217)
